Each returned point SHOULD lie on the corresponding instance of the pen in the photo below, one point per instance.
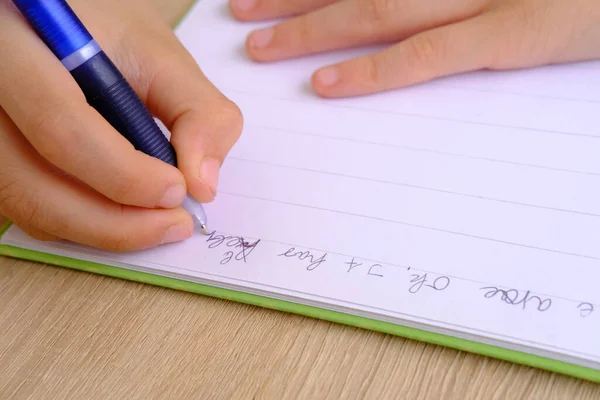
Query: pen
(103, 85)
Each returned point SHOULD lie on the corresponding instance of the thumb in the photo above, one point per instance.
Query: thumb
(450, 49)
(204, 125)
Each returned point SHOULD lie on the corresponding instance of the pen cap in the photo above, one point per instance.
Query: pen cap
(56, 24)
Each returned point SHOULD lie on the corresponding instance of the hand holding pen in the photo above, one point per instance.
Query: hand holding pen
(100, 175)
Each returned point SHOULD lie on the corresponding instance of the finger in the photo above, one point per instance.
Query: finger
(451, 49)
(49, 204)
(204, 124)
(35, 233)
(255, 10)
(44, 101)
(337, 25)
(351, 23)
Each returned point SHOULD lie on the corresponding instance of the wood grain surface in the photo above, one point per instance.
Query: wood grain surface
(66, 334)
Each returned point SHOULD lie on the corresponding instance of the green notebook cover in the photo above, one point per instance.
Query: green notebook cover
(309, 311)
(300, 309)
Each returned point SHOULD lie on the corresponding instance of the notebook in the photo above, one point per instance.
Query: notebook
(463, 212)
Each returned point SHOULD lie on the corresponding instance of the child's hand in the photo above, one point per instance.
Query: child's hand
(430, 38)
(66, 173)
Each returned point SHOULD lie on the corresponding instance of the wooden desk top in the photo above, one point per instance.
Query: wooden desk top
(69, 334)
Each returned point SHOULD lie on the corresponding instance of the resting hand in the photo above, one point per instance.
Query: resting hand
(427, 38)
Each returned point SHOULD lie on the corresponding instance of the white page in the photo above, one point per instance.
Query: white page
(439, 193)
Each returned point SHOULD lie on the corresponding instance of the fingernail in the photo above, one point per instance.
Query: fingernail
(261, 38)
(173, 197)
(327, 76)
(176, 233)
(209, 173)
(244, 5)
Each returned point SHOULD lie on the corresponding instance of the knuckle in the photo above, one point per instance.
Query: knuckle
(37, 234)
(221, 123)
(10, 195)
(122, 186)
(373, 70)
(24, 207)
(233, 117)
(376, 10)
(55, 136)
(228, 120)
(304, 32)
(527, 48)
(423, 51)
(117, 242)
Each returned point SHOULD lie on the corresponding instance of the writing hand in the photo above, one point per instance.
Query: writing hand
(65, 173)
(429, 38)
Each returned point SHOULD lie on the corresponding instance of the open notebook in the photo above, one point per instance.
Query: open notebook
(463, 212)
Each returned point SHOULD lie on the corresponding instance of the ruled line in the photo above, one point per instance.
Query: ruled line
(426, 188)
(420, 149)
(391, 221)
(423, 116)
(76, 247)
(519, 94)
(353, 305)
(402, 266)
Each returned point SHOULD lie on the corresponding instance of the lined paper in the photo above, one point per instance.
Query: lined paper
(468, 205)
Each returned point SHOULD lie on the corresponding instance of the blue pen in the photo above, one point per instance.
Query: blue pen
(104, 86)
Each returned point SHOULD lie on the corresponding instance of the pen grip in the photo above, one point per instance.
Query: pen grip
(107, 91)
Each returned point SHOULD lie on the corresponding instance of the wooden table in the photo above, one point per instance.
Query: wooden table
(69, 334)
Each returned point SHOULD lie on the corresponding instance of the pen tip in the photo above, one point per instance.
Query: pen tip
(204, 229)
(199, 223)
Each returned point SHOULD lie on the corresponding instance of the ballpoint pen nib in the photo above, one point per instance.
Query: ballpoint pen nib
(204, 229)
(197, 212)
